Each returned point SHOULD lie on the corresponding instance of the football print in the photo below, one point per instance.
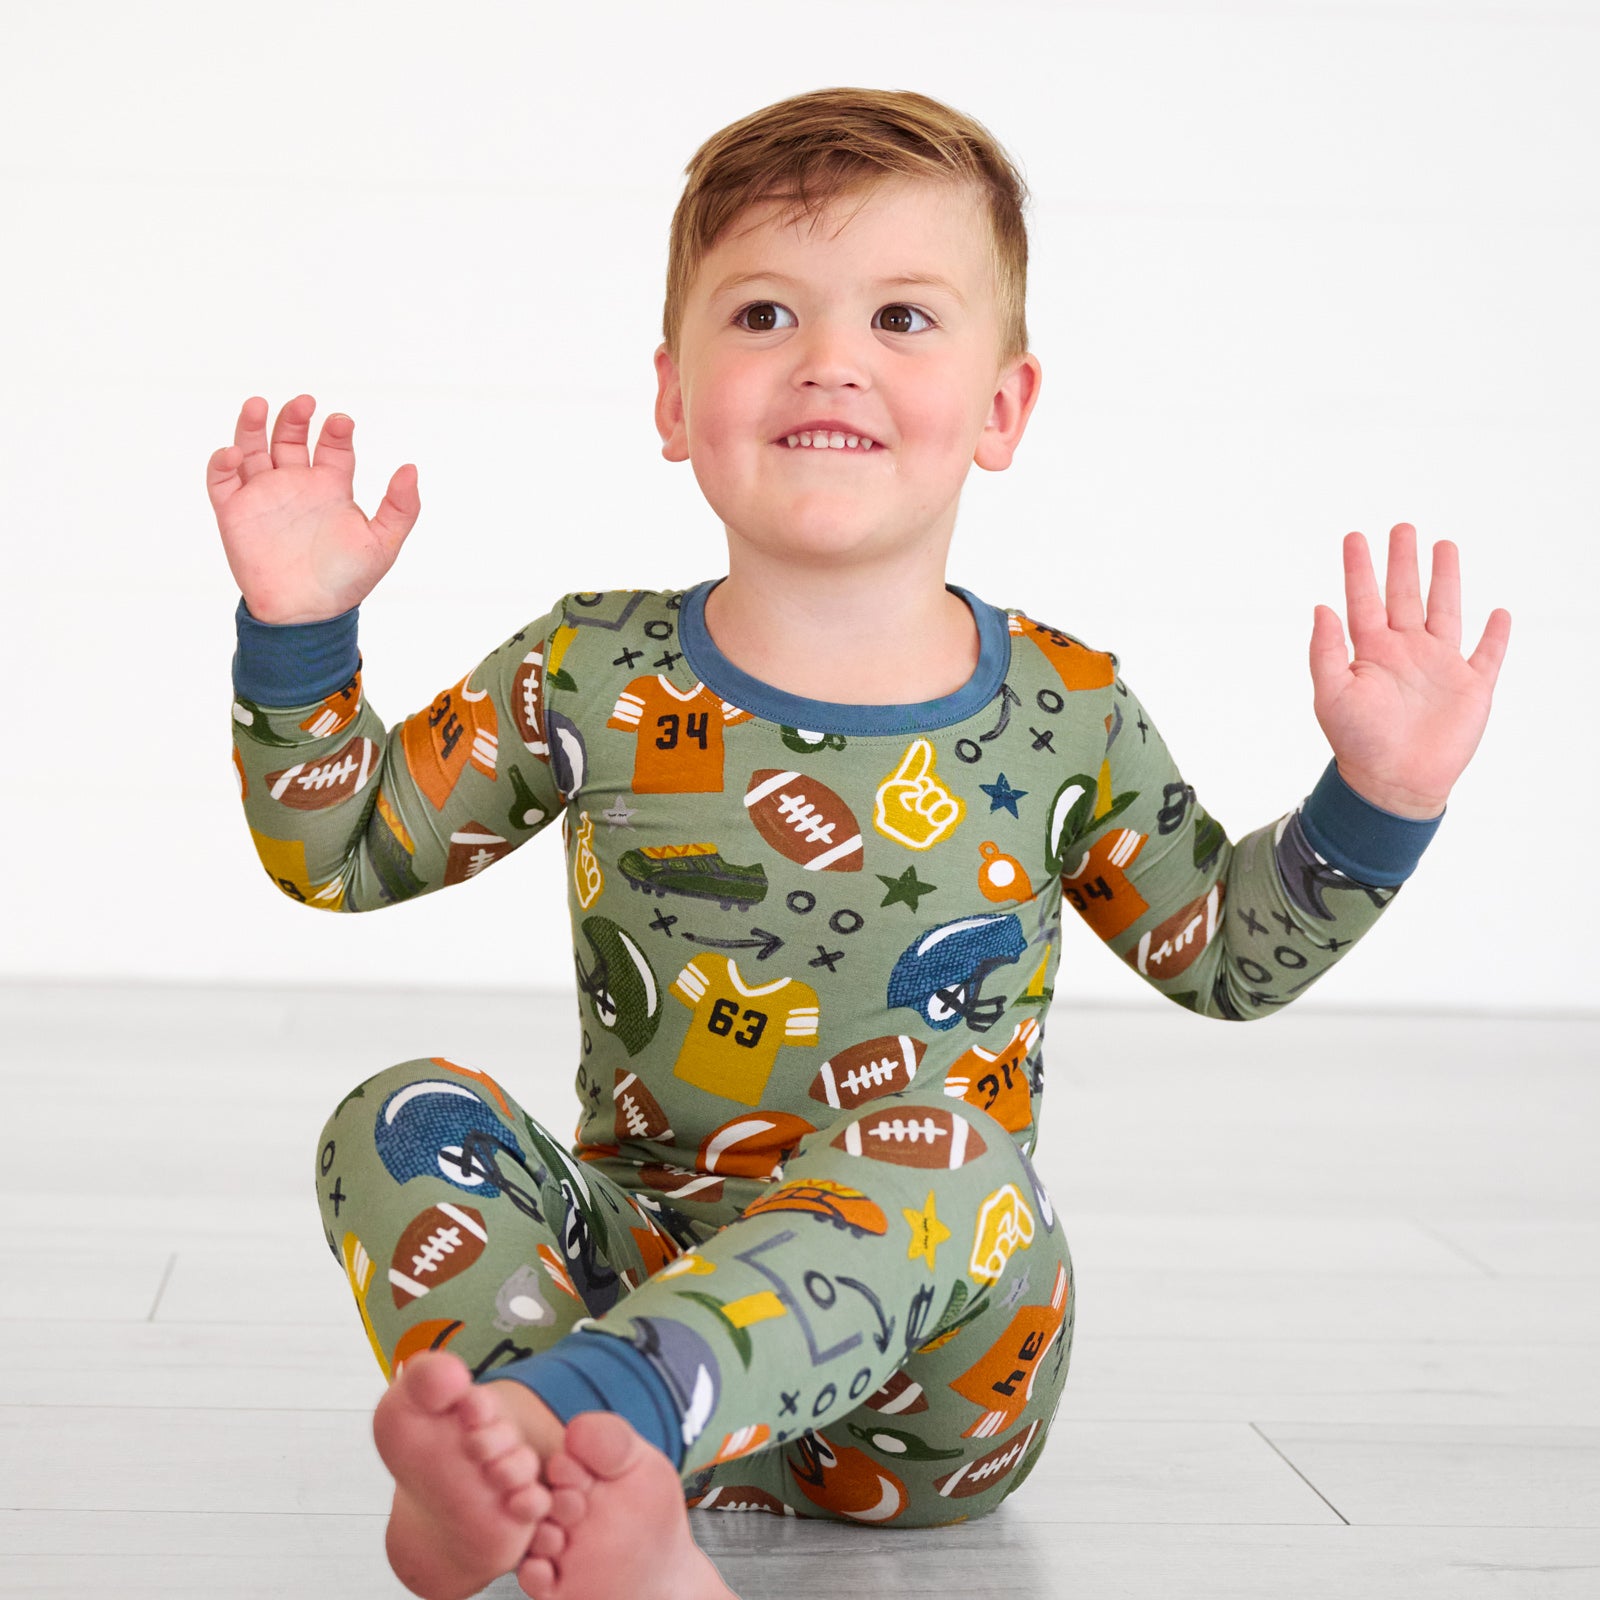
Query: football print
(868, 1070)
(438, 1244)
(914, 1136)
(804, 821)
(681, 1183)
(899, 1393)
(987, 1470)
(753, 1146)
(639, 1113)
(316, 785)
(740, 1497)
(1168, 948)
(526, 689)
(473, 848)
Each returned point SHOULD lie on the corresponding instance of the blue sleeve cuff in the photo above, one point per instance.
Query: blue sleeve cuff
(1362, 840)
(293, 663)
(601, 1372)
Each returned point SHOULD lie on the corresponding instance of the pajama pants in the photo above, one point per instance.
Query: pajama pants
(881, 1337)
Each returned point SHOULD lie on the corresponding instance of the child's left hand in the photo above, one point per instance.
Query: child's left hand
(1405, 716)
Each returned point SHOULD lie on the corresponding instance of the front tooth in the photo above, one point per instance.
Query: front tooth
(836, 441)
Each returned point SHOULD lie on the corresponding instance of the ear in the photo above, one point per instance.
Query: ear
(1008, 414)
(669, 408)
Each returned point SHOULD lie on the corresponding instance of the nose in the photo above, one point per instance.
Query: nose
(830, 355)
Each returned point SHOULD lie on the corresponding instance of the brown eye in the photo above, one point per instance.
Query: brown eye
(765, 310)
(901, 311)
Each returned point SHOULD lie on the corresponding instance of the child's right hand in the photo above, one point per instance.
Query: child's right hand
(298, 545)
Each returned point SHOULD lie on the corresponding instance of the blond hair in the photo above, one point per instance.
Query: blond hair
(833, 144)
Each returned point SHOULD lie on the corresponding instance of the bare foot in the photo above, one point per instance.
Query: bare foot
(467, 1495)
(618, 1528)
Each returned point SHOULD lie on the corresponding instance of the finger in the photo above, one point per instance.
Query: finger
(334, 449)
(222, 475)
(1444, 594)
(1362, 602)
(1402, 588)
(1330, 660)
(250, 435)
(397, 514)
(290, 431)
(1491, 649)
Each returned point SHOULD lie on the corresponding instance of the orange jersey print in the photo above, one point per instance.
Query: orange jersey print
(1001, 1380)
(997, 1081)
(1076, 665)
(680, 735)
(459, 727)
(1098, 885)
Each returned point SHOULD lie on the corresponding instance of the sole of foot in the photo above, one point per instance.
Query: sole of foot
(618, 1528)
(468, 1496)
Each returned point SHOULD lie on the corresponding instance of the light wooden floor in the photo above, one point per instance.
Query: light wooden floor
(1338, 1325)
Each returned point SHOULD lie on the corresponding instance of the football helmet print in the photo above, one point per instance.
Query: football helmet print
(941, 974)
(623, 990)
(443, 1130)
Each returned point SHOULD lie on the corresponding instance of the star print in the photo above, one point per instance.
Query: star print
(1001, 793)
(907, 889)
(1019, 1287)
(619, 816)
(927, 1232)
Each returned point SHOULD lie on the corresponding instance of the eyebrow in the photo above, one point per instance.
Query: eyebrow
(931, 279)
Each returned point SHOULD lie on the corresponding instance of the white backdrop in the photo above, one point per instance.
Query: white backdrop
(1297, 268)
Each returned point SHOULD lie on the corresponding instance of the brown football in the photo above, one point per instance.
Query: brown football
(639, 1113)
(316, 785)
(988, 1469)
(913, 1136)
(865, 1071)
(525, 687)
(473, 848)
(681, 1183)
(438, 1244)
(898, 1394)
(804, 820)
(755, 1145)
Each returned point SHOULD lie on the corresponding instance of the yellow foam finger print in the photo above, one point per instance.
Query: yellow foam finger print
(913, 808)
(358, 1268)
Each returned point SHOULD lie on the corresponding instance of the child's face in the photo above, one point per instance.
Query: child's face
(913, 366)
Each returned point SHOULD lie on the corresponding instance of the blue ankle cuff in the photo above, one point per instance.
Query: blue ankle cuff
(600, 1372)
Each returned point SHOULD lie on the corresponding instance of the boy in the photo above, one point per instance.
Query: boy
(820, 817)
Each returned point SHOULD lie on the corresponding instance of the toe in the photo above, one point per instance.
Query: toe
(562, 1472)
(435, 1380)
(528, 1504)
(489, 1444)
(603, 1442)
(477, 1409)
(537, 1579)
(516, 1469)
(548, 1541)
(567, 1507)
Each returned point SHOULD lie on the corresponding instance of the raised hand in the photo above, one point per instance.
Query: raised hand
(1404, 716)
(298, 545)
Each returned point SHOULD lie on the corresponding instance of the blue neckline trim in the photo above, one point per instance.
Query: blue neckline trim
(718, 673)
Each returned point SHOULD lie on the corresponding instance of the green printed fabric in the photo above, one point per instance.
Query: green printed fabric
(814, 959)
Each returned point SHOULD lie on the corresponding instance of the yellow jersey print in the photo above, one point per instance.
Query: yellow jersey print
(736, 1031)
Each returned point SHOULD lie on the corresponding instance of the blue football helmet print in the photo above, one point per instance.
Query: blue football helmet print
(941, 974)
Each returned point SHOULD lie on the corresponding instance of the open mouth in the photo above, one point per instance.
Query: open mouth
(840, 443)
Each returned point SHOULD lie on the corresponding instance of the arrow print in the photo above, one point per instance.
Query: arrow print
(764, 944)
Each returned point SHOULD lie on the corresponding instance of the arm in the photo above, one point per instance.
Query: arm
(1238, 931)
(347, 817)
